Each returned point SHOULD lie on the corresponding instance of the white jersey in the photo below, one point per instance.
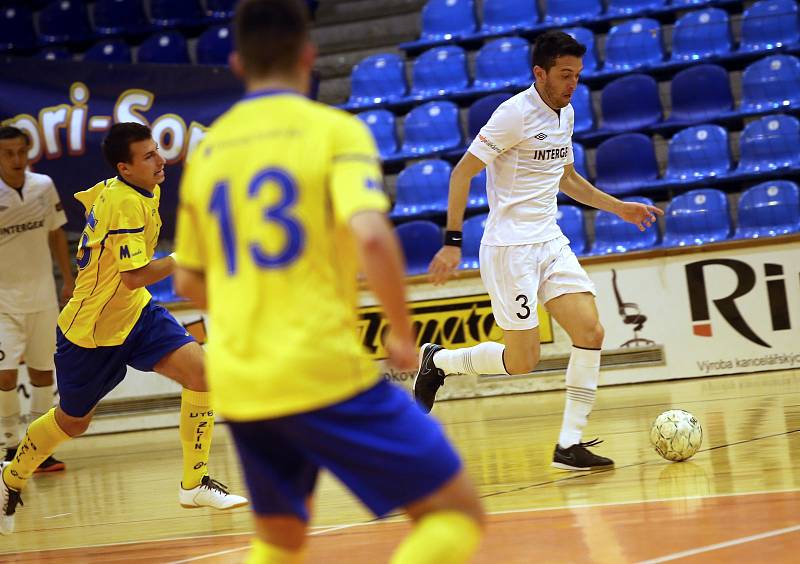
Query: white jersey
(26, 269)
(525, 145)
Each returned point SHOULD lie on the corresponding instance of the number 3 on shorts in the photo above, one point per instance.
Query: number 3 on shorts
(523, 303)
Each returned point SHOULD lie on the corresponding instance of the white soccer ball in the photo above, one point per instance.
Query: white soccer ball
(676, 435)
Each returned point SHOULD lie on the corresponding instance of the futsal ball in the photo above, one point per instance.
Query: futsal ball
(676, 435)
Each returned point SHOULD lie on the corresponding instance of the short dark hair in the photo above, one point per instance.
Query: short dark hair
(117, 144)
(270, 34)
(10, 132)
(551, 45)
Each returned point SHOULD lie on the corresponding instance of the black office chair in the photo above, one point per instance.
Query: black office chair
(630, 316)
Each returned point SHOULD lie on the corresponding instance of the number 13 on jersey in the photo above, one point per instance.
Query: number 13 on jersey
(279, 214)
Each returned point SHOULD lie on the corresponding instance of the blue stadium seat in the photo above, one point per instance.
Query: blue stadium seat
(377, 80)
(691, 3)
(215, 45)
(586, 38)
(54, 54)
(382, 125)
(481, 110)
(584, 110)
(613, 235)
(697, 217)
(626, 163)
(430, 128)
(702, 34)
(120, 17)
(632, 7)
(167, 14)
(769, 209)
(634, 44)
(476, 199)
(64, 22)
(473, 233)
(570, 220)
(564, 12)
(448, 19)
(438, 72)
(580, 159)
(717, 98)
(503, 63)
(220, 10)
(111, 51)
(501, 17)
(631, 102)
(165, 47)
(770, 143)
(770, 24)
(422, 189)
(16, 29)
(420, 241)
(771, 83)
(698, 152)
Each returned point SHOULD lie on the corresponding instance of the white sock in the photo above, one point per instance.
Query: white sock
(484, 358)
(583, 372)
(9, 417)
(41, 401)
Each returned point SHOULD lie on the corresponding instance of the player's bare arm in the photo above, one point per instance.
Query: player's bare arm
(581, 190)
(446, 261)
(151, 273)
(60, 252)
(191, 284)
(382, 264)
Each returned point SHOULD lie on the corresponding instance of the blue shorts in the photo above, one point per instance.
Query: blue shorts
(379, 443)
(85, 376)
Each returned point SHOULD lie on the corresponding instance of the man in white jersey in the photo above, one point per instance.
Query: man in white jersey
(31, 217)
(524, 257)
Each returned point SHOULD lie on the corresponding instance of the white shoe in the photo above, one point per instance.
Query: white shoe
(8, 504)
(210, 493)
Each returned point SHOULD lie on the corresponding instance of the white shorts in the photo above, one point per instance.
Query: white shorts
(29, 336)
(520, 276)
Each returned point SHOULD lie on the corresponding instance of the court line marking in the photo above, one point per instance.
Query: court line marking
(324, 529)
(719, 545)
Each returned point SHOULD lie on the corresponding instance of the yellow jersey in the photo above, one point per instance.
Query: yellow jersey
(122, 227)
(265, 202)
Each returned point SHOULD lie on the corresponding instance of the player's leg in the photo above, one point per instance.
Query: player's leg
(511, 278)
(404, 461)
(12, 345)
(161, 344)
(39, 350)
(85, 376)
(568, 294)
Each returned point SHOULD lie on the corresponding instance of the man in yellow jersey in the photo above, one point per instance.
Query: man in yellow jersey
(277, 204)
(111, 323)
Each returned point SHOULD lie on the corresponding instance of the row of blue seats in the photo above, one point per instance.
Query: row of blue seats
(167, 47)
(694, 218)
(504, 63)
(628, 104)
(447, 21)
(66, 22)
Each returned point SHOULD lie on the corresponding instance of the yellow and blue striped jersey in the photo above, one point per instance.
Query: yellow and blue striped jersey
(122, 227)
(265, 204)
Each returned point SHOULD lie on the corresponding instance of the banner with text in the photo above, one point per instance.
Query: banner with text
(67, 108)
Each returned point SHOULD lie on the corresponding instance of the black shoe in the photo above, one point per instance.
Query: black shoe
(578, 457)
(50, 464)
(429, 378)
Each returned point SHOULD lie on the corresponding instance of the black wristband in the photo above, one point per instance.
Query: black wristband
(453, 238)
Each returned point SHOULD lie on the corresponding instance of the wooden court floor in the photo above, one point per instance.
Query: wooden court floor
(736, 500)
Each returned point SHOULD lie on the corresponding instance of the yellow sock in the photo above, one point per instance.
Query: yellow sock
(441, 537)
(197, 424)
(43, 437)
(263, 553)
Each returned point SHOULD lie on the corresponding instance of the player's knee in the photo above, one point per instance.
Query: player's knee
(73, 426)
(521, 363)
(595, 335)
(8, 380)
